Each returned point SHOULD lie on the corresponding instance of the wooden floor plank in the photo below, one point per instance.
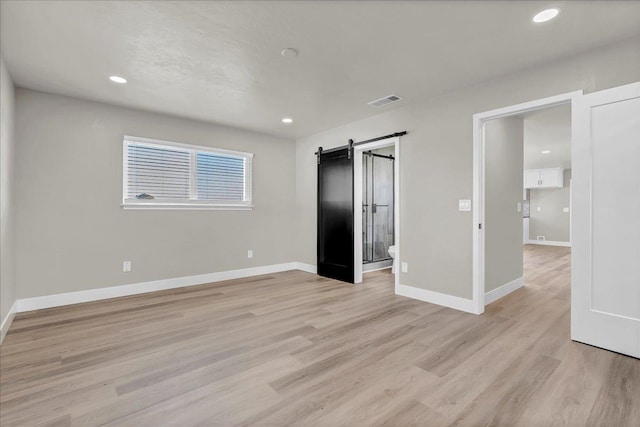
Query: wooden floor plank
(297, 349)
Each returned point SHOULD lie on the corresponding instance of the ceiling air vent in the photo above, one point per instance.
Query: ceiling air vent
(384, 101)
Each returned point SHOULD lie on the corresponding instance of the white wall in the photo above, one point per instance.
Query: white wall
(73, 235)
(436, 161)
(70, 225)
(551, 222)
(7, 194)
(504, 146)
(548, 129)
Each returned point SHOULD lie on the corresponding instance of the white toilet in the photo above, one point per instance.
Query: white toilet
(392, 254)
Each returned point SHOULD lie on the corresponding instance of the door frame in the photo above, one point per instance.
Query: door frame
(357, 202)
(479, 121)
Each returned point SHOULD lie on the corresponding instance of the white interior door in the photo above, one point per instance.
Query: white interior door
(605, 279)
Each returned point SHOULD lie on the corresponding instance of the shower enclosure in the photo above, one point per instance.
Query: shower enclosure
(377, 206)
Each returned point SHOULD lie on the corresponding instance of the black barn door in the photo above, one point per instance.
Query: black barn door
(335, 215)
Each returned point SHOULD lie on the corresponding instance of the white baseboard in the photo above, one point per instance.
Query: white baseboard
(376, 266)
(377, 269)
(48, 301)
(503, 290)
(548, 243)
(6, 322)
(450, 301)
(309, 268)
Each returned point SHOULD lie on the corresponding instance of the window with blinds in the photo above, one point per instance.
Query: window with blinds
(159, 174)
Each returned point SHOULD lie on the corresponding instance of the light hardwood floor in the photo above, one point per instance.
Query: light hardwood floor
(296, 349)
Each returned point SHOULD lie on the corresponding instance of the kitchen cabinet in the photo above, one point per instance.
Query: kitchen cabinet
(544, 178)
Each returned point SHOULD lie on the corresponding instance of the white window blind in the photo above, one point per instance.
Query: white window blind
(221, 177)
(160, 174)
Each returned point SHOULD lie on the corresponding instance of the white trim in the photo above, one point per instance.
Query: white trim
(47, 301)
(503, 290)
(478, 216)
(8, 319)
(376, 269)
(450, 301)
(357, 200)
(479, 120)
(141, 206)
(396, 214)
(548, 243)
(357, 216)
(529, 106)
(376, 266)
(156, 142)
(309, 268)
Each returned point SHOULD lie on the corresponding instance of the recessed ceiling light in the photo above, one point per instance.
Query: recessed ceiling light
(287, 120)
(545, 15)
(289, 52)
(546, 151)
(118, 79)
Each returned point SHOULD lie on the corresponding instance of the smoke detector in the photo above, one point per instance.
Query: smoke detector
(289, 52)
(384, 101)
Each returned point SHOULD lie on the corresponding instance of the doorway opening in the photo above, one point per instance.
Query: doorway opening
(605, 309)
(547, 177)
(340, 243)
(503, 250)
(527, 208)
(376, 208)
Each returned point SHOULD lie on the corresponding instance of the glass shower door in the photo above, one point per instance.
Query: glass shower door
(377, 209)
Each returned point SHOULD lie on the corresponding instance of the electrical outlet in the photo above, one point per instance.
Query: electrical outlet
(540, 238)
(464, 205)
(405, 267)
(250, 253)
(565, 210)
(538, 209)
(126, 266)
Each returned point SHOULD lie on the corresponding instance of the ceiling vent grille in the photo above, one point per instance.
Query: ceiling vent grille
(384, 101)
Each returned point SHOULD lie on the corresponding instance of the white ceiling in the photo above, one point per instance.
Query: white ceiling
(221, 62)
(548, 130)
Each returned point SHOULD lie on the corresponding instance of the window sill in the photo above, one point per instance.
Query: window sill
(184, 207)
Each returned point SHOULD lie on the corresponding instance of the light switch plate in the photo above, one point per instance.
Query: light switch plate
(464, 205)
(538, 209)
(405, 267)
(126, 266)
(519, 207)
(565, 210)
